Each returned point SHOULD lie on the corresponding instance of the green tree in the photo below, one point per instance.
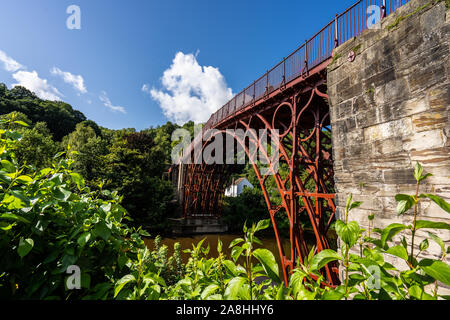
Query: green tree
(59, 116)
(90, 151)
(134, 168)
(37, 147)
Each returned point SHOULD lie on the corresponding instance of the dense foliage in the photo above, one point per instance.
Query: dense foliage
(51, 222)
(129, 162)
(363, 256)
(57, 216)
(60, 117)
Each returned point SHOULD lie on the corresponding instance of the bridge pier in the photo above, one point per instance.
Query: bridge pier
(189, 226)
(389, 109)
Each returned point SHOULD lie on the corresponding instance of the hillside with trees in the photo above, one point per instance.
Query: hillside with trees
(127, 161)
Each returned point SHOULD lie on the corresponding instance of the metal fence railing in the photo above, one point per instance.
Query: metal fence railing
(313, 52)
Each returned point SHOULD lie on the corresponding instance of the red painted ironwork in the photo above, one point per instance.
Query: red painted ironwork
(290, 97)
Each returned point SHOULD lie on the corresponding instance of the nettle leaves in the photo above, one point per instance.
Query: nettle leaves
(406, 202)
(348, 232)
(242, 284)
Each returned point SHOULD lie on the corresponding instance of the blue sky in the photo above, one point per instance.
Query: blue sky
(124, 45)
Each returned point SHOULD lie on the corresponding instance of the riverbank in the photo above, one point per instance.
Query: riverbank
(211, 240)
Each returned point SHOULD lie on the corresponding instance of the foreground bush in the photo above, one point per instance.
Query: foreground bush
(49, 222)
(368, 275)
(52, 224)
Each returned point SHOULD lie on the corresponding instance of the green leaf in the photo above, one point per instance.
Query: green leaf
(348, 202)
(6, 226)
(262, 224)
(44, 172)
(102, 230)
(349, 233)
(436, 269)
(59, 154)
(438, 240)
(78, 180)
(235, 242)
(390, 231)
(236, 252)
(62, 194)
(24, 179)
(404, 243)
(372, 256)
(10, 168)
(122, 282)
(423, 224)
(438, 200)
(121, 260)
(269, 263)
(405, 202)
(256, 240)
(280, 293)
(25, 246)
(324, 257)
(398, 251)
(296, 281)
(418, 293)
(231, 292)
(23, 124)
(4, 177)
(231, 267)
(355, 204)
(11, 216)
(84, 238)
(425, 176)
(19, 194)
(333, 295)
(424, 245)
(219, 245)
(209, 290)
(418, 169)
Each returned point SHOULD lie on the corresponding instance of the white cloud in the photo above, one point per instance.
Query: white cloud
(190, 91)
(145, 88)
(107, 103)
(40, 87)
(9, 64)
(76, 81)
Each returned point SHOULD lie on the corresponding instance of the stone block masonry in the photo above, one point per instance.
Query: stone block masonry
(389, 109)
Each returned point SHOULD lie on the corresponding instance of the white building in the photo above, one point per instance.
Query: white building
(237, 187)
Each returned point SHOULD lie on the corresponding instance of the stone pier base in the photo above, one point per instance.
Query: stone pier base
(197, 226)
(390, 108)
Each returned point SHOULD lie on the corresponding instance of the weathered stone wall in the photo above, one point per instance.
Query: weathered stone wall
(389, 109)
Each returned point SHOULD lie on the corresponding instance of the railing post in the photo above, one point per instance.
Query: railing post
(336, 29)
(284, 70)
(305, 67)
(383, 7)
(306, 53)
(254, 91)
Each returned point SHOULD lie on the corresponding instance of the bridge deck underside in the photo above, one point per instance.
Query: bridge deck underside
(301, 169)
